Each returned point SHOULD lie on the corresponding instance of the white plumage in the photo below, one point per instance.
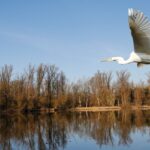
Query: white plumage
(140, 31)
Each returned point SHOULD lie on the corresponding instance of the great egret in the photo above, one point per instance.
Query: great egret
(140, 31)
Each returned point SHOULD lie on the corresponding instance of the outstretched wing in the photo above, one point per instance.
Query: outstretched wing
(140, 30)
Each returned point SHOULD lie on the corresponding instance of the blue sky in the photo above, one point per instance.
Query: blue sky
(72, 34)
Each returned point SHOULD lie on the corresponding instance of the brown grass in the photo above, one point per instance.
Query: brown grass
(109, 108)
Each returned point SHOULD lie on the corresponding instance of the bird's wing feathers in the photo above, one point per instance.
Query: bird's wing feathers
(140, 30)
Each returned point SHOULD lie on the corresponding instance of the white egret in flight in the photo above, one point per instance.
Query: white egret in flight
(140, 30)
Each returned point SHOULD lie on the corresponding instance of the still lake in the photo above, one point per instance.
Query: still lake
(76, 131)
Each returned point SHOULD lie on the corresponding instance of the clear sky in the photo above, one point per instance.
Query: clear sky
(72, 34)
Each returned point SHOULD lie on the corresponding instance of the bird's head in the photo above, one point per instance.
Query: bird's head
(120, 60)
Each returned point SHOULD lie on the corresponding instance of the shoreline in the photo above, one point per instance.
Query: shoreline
(79, 109)
(109, 108)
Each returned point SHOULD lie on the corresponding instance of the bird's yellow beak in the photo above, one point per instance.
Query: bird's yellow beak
(106, 60)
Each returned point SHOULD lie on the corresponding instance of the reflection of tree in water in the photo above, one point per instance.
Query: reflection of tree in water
(55, 132)
(96, 125)
(124, 127)
(5, 129)
(51, 131)
(103, 127)
(32, 132)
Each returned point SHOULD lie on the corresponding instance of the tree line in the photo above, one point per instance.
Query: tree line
(46, 86)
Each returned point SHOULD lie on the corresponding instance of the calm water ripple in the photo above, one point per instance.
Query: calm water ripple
(76, 131)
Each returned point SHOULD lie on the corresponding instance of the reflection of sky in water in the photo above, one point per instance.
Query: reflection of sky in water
(77, 132)
(140, 141)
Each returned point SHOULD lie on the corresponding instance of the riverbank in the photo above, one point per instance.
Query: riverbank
(78, 109)
(109, 108)
(97, 109)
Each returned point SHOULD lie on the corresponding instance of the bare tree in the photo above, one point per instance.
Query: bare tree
(123, 87)
(139, 94)
(30, 90)
(51, 83)
(86, 93)
(101, 88)
(5, 85)
(60, 89)
(18, 92)
(40, 77)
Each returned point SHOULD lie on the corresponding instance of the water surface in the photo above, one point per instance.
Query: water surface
(76, 131)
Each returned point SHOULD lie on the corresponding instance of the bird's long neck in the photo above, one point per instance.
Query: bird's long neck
(122, 61)
(126, 61)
